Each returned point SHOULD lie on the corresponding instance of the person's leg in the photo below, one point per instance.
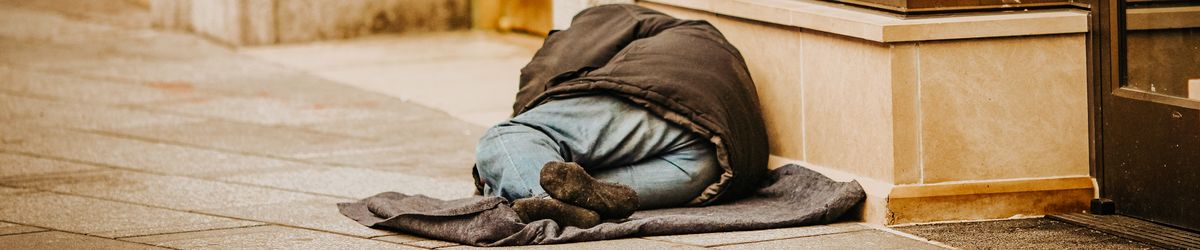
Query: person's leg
(666, 165)
(601, 132)
(609, 138)
(671, 179)
(509, 158)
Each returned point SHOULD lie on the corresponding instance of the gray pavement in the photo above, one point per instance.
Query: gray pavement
(116, 136)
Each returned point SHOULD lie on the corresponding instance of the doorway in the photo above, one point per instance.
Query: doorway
(1146, 109)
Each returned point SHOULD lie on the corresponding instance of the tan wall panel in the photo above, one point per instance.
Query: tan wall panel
(771, 54)
(1004, 108)
(906, 114)
(847, 90)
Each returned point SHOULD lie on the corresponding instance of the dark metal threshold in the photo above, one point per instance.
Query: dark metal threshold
(1134, 229)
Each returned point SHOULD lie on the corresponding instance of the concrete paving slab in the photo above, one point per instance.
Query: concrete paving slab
(16, 165)
(730, 238)
(57, 41)
(121, 14)
(104, 218)
(390, 49)
(419, 122)
(135, 154)
(319, 215)
(48, 113)
(1038, 233)
(186, 71)
(490, 88)
(281, 141)
(380, 148)
(864, 239)
(173, 69)
(424, 149)
(275, 111)
(51, 43)
(385, 127)
(9, 228)
(180, 193)
(415, 159)
(241, 78)
(13, 191)
(43, 27)
(448, 160)
(631, 243)
(88, 90)
(400, 67)
(438, 151)
(263, 237)
(81, 51)
(360, 183)
(63, 240)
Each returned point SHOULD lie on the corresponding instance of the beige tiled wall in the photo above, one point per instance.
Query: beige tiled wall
(815, 108)
(943, 122)
(1003, 108)
(847, 88)
(906, 114)
(771, 54)
(920, 112)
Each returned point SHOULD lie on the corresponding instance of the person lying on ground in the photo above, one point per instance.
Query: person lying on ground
(627, 109)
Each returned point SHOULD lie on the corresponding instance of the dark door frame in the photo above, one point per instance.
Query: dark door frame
(1130, 108)
(1104, 71)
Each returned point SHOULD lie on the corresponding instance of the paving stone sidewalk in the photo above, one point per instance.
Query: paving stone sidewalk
(116, 136)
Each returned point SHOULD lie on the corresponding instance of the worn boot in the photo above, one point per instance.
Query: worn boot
(570, 183)
(539, 208)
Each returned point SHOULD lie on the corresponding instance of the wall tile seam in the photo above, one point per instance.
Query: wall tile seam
(920, 126)
(803, 98)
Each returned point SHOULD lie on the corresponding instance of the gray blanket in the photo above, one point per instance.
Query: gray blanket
(791, 196)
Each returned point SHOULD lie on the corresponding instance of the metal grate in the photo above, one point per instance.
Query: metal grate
(1134, 229)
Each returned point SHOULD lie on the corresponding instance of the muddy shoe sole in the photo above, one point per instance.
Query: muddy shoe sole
(572, 184)
(534, 209)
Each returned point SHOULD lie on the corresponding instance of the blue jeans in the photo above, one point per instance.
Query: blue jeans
(615, 141)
